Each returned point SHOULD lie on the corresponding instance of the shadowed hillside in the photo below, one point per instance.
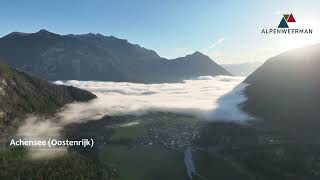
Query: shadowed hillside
(21, 93)
(284, 92)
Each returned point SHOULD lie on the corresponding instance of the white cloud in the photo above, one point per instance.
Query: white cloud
(195, 97)
(214, 44)
(207, 98)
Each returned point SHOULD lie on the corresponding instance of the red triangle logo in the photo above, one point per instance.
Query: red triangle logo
(291, 18)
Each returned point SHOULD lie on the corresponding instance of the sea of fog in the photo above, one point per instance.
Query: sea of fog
(207, 98)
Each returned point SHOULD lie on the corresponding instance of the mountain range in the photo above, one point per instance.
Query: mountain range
(242, 69)
(97, 57)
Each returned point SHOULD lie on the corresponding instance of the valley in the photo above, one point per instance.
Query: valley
(219, 149)
(159, 90)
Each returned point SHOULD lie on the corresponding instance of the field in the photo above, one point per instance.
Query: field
(128, 132)
(145, 162)
(215, 166)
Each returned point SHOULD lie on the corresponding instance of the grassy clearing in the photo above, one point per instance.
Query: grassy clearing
(129, 132)
(212, 166)
(145, 162)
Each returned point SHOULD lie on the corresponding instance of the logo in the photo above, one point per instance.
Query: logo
(287, 18)
(283, 27)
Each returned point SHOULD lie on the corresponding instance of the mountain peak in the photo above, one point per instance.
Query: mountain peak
(197, 53)
(45, 32)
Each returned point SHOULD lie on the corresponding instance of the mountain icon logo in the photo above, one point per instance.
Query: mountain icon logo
(287, 18)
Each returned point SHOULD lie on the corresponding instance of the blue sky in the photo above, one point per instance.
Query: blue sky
(226, 30)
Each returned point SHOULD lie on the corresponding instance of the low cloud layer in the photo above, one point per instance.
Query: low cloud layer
(210, 98)
(207, 98)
